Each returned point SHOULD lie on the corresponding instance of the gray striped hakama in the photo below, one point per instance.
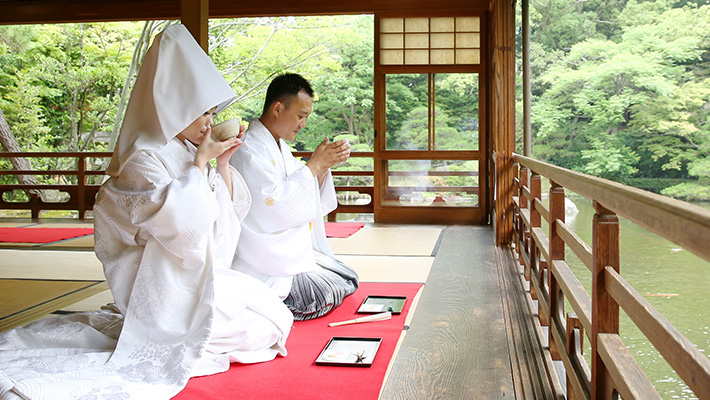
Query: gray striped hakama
(314, 294)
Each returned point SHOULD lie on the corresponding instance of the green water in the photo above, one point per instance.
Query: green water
(654, 265)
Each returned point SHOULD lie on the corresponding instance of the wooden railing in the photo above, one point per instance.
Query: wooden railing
(367, 190)
(81, 194)
(613, 371)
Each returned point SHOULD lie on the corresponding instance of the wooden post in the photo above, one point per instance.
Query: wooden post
(516, 213)
(574, 335)
(81, 186)
(35, 204)
(523, 201)
(556, 252)
(605, 311)
(536, 265)
(194, 14)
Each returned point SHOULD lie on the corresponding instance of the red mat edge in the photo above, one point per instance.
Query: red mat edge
(352, 384)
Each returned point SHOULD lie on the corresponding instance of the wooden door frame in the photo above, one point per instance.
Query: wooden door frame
(431, 214)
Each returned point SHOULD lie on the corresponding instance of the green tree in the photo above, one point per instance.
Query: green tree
(83, 65)
(611, 101)
(345, 96)
(250, 52)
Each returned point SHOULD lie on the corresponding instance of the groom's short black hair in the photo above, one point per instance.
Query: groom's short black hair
(285, 86)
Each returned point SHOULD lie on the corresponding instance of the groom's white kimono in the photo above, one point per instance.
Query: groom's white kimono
(283, 236)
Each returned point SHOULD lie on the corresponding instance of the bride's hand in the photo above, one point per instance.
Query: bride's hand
(209, 149)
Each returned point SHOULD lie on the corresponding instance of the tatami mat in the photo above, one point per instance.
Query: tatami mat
(78, 243)
(50, 264)
(24, 300)
(91, 303)
(389, 268)
(377, 253)
(389, 241)
(10, 224)
(85, 243)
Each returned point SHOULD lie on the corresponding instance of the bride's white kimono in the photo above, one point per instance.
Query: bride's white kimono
(166, 234)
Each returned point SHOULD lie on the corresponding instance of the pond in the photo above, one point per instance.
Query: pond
(673, 280)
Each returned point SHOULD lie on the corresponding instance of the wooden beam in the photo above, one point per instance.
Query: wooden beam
(225, 8)
(628, 377)
(13, 12)
(194, 14)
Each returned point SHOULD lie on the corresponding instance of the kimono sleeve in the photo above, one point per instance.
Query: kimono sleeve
(279, 202)
(177, 212)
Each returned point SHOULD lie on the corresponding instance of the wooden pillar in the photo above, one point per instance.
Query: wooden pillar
(194, 14)
(605, 311)
(556, 252)
(525, 16)
(502, 113)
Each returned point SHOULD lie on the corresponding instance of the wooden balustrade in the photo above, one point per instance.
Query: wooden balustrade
(613, 372)
(81, 195)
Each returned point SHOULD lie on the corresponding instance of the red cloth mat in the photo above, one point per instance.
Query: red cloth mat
(296, 377)
(342, 229)
(41, 235)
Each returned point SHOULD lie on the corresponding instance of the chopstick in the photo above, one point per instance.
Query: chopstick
(370, 318)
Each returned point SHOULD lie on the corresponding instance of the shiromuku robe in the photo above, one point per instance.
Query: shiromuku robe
(283, 240)
(166, 235)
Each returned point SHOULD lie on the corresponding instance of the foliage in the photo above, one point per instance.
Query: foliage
(61, 82)
(655, 185)
(689, 191)
(620, 88)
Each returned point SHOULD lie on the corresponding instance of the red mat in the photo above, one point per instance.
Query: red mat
(48, 235)
(296, 377)
(41, 235)
(342, 229)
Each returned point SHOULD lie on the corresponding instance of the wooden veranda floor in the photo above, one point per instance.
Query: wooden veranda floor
(470, 337)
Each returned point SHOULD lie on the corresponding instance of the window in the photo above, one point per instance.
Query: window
(432, 111)
(430, 41)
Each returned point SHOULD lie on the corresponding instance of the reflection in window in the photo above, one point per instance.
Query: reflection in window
(407, 119)
(456, 117)
(452, 104)
(444, 183)
(355, 178)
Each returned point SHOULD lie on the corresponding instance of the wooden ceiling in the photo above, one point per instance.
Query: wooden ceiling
(14, 12)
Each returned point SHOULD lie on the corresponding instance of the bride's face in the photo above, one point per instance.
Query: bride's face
(197, 130)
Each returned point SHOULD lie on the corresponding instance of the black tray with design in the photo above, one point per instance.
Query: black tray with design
(377, 304)
(349, 351)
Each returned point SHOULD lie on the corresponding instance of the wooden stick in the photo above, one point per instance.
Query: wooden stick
(370, 318)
